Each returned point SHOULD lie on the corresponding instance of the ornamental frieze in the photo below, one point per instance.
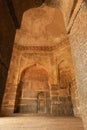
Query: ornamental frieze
(63, 44)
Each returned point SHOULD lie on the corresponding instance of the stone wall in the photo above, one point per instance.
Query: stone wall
(78, 42)
(33, 91)
(65, 69)
(23, 99)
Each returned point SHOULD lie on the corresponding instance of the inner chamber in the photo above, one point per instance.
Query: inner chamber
(42, 40)
(33, 93)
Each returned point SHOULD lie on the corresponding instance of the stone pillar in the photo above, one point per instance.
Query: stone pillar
(9, 100)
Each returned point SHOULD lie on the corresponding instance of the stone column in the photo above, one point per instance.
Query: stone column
(8, 102)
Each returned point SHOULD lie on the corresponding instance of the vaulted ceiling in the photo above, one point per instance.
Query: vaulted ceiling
(41, 26)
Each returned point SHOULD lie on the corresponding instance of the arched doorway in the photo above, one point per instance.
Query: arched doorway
(48, 34)
(33, 93)
(43, 102)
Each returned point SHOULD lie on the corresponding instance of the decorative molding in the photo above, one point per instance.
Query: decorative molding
(27, 55)
(63, 43)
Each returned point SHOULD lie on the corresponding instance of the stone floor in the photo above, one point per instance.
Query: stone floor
(27, 122)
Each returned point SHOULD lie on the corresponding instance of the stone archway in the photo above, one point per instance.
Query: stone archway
(78, 51)
(33, 82)
(52, 34)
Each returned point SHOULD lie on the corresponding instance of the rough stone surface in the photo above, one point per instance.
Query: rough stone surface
(79, 51)
(78, 43)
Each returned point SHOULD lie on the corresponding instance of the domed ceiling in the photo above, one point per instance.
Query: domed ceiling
(41, 26)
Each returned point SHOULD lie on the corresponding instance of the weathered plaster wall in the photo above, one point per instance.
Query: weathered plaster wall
(70, 10)
(64, 63)
(39, 27)
(77, 30)
(78, 42)
(25, 58)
